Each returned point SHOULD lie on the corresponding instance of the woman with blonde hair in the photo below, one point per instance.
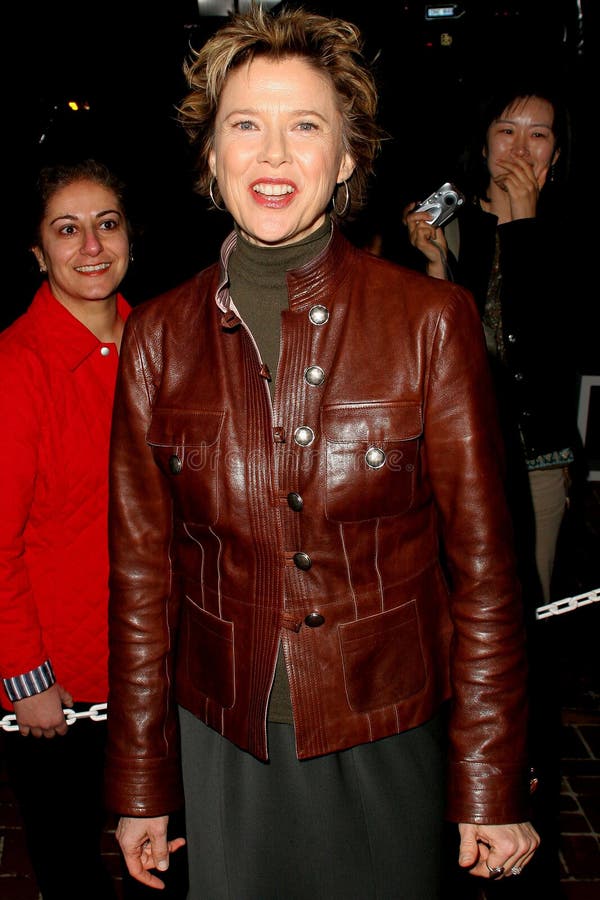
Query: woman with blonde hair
(295, 429)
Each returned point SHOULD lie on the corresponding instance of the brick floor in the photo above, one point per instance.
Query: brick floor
(580, 805)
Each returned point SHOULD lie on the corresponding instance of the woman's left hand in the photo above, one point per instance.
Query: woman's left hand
(497, 851)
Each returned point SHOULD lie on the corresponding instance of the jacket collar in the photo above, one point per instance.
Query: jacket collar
(72, 342)
(311, 284)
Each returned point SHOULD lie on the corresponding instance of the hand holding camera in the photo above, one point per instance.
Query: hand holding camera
(442, 205)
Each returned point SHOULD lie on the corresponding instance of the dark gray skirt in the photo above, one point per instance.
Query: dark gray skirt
(365, 823)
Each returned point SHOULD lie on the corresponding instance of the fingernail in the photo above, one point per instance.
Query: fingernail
(162, 865)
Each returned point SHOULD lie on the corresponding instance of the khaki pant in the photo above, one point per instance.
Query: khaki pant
(549, 496)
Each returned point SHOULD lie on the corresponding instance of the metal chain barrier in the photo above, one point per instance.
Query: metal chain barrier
(96, 712)
(567, 604)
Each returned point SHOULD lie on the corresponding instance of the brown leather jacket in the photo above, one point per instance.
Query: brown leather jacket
(237, 524)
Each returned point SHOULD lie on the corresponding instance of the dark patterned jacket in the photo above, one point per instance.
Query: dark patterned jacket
(536, 382)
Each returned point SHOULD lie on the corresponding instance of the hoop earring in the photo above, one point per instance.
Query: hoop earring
(341, 213)
(213, 180)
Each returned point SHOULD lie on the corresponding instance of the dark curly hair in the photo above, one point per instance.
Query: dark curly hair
(52, 178)
(474, 174)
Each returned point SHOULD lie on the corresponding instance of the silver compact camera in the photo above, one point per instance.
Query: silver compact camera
(442, 204)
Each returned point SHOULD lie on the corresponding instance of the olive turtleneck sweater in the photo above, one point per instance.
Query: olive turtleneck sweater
(258, 287)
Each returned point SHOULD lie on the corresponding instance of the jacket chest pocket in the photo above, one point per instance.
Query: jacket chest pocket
(185, 444)
(372, 452)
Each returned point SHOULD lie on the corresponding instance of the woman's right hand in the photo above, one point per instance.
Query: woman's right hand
(144, 845)
(42, 714)
(429, 240)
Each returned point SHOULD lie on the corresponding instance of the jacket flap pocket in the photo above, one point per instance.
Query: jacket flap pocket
(184, 427)
(383, 659)
(372, 421)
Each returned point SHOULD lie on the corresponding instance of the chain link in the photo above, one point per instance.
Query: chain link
(567, 604)
(96, 712)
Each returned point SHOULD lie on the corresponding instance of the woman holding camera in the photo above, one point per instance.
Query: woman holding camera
(512, 256)
(511, 249)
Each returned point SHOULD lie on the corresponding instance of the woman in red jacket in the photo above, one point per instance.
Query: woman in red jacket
(58, 365)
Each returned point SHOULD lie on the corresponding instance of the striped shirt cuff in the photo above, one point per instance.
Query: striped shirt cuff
(34, 682)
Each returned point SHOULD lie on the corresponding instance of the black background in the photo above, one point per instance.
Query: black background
(124, 60)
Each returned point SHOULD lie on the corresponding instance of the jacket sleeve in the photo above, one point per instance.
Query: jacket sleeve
(142, 771)
(487, 766)
(22, 646)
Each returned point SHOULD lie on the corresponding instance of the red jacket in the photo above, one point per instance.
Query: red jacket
(56, 392)
(237, 524)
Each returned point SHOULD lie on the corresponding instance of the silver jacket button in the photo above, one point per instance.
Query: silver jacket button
(375, 457)
(304, 436)
(314, 376)
(302, 561)
(318, 315)
(175, 465)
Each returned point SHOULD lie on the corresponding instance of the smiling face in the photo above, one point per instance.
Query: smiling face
(278, 151)
(523, 130)
(84, 244)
